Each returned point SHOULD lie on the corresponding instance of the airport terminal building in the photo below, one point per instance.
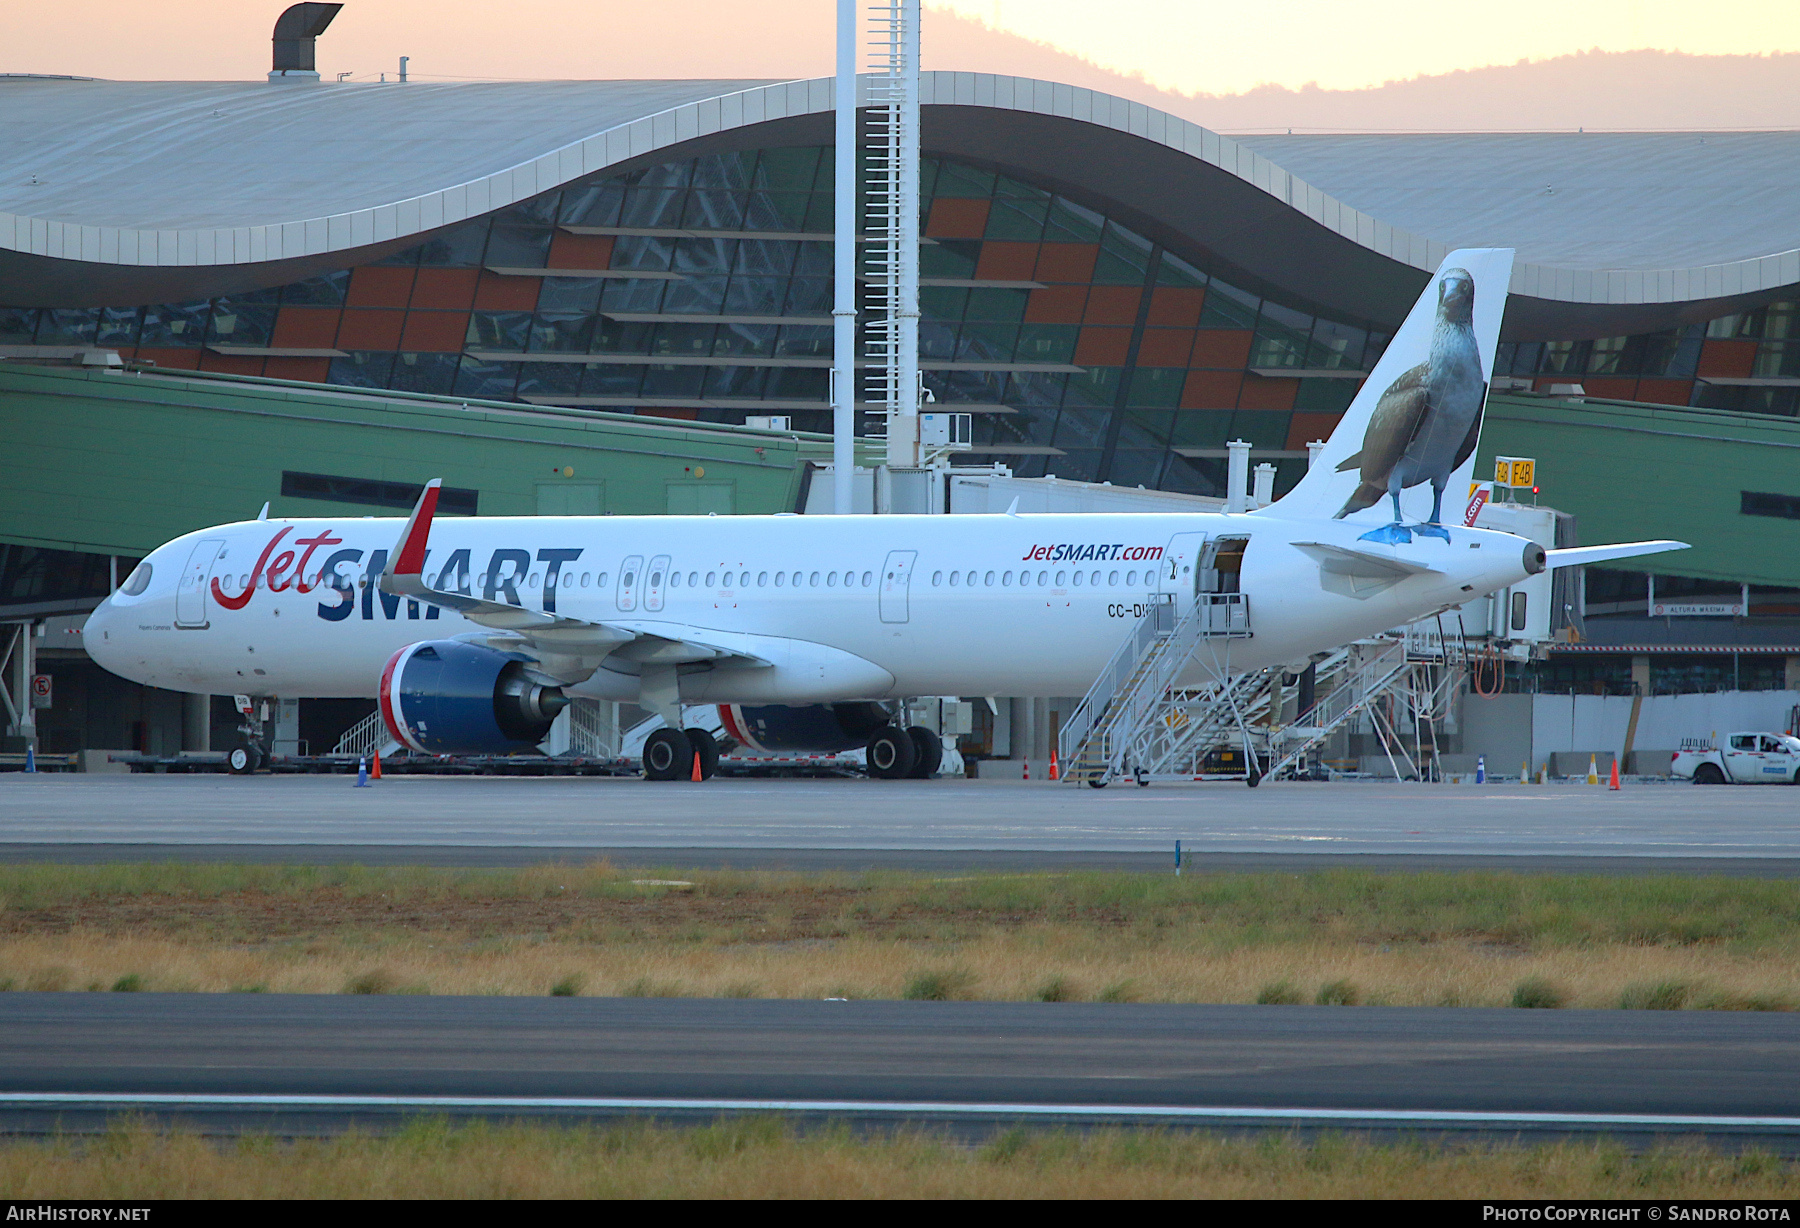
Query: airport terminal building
(1112, 292)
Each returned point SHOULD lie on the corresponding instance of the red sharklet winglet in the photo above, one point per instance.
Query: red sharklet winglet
(408, 558)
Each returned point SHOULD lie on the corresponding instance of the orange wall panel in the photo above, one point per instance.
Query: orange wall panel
(1731, 359)
(1176, 306)
(1165, 347)
(1067, 261)
(380, 285)
(369, 329)
(1056, 305)
(171, 356)
(306, 328)
(1221, 347)
(439, 332)
(1103, 347)
(1211, 390)
(445, 289)
(957, 219)
(1006, 261)
(1610, 389)
(499, 293)
(1261, 393)
(1665, 391)
(1307, 427)
(569, 251)
(1112, 305)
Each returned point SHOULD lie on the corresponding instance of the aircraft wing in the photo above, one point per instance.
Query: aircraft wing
(553, 636)
(1575, 555)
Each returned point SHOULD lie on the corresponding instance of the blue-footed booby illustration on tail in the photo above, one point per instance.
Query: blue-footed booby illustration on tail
(1416, 421)
(1427, 422)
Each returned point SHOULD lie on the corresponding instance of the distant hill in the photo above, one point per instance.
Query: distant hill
(1609, 90)
(785, 39)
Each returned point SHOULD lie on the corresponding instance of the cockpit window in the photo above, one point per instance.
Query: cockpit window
(137, 581)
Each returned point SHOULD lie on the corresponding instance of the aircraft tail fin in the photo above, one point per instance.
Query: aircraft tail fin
(1413, 427)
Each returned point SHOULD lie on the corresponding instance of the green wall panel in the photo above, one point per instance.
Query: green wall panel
(119, 462)
(1631, 472)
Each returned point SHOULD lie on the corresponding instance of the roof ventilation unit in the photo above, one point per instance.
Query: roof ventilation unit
(295, 30)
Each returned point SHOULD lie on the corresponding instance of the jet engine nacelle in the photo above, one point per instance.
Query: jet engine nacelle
(445, 697)
(820, 728)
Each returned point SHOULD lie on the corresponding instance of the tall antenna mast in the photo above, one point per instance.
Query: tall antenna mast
(891, 255)
(843, 302)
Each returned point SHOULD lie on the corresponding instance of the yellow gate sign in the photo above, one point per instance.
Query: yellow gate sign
(1515, 472)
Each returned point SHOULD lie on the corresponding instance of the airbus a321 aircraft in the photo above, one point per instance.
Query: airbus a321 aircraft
(473, 633)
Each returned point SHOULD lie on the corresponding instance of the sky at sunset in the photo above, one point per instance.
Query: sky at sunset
(1243, 66)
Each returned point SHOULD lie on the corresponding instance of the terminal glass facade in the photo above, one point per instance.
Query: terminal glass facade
(701, 289)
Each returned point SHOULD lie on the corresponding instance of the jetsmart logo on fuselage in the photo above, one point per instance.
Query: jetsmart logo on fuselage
(341, 573)
(1094, 552)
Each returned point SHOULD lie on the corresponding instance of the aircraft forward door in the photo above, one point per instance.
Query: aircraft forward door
(190, 594)
(1179, 574)
(896, 579)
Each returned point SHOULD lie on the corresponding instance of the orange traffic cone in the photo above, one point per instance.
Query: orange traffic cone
(1614, 782)
(1053, 773)
(375, 770)
(1026, 773)
(696, 775)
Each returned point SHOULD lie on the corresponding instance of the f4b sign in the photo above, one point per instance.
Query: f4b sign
(1515, 472)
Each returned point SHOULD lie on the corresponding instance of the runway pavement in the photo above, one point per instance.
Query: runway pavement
(318, 1061)
(1674, 821)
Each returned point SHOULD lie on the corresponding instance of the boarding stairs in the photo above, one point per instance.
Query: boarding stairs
(1390, 683)
(368, 736)
(1127, 721)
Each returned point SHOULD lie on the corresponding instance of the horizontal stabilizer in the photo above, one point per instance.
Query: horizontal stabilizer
(1361, 574)
(1364, 560)
(1574, 556)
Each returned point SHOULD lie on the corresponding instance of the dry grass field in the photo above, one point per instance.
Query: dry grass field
(1470, 939)
(766, 1158)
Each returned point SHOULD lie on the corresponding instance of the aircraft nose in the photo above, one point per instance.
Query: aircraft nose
(100, 634)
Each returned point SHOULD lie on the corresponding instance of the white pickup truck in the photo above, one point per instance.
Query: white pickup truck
(1747, 759)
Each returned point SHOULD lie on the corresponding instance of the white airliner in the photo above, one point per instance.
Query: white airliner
(472, 633)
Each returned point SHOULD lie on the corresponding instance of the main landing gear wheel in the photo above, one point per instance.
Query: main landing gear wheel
(668, 755)
(891, 753)
(242, 760)
(707, 748)
(928, 753)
